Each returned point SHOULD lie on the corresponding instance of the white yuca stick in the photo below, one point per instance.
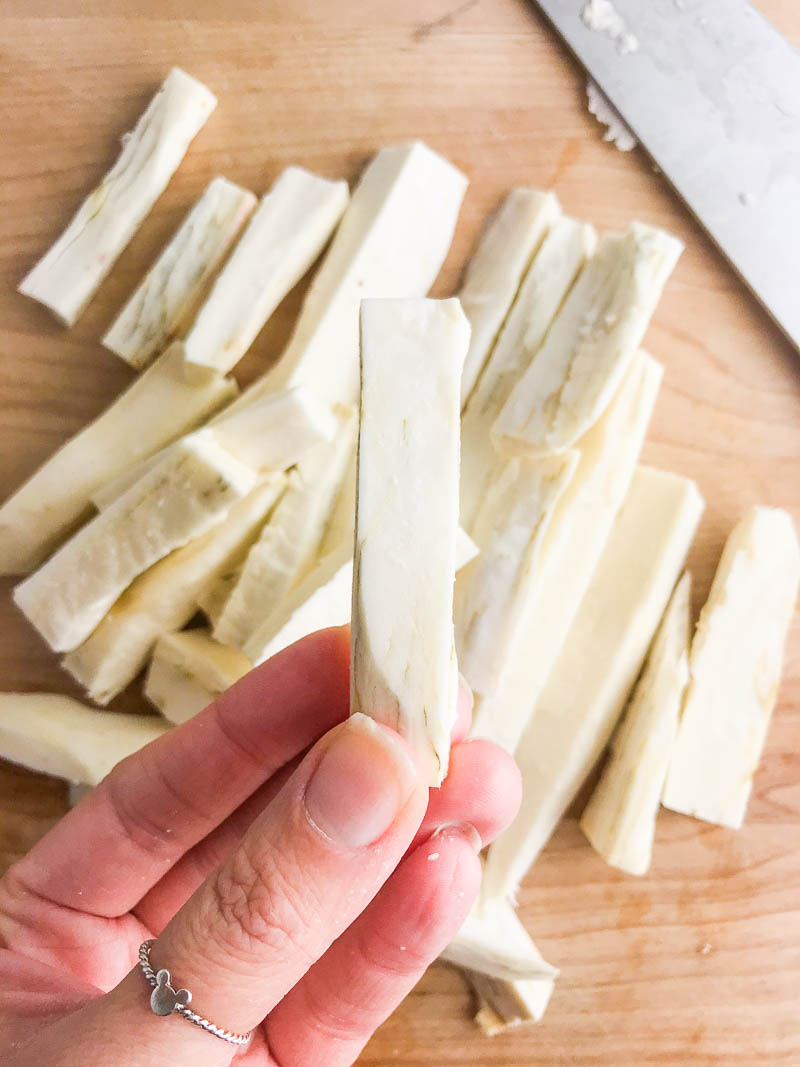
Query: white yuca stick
(590, 682)
(56, 735)
(577, 533)
(186, 494)
(490, 595)
(323, 598)
(171, 289)
(341, 525)
(392, 241)
(283, 238)
(552, 272)
(69, 274)
(503, 1005)
(466, 549)
(188, 671)
(591, 342)
(620, 818)
(108, 492)
(270, 434)
(275, 431)
(156, 408)
(403, 668)
(212, 600)
(494, 942)
(495, 269)
(288, 545)
(165, 596)
(735, 670)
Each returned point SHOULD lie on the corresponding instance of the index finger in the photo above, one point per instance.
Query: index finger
(158, 803)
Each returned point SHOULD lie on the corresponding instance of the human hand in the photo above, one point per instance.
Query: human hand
(280, 853)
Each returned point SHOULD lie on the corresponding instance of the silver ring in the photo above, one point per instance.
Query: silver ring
(164, 1000)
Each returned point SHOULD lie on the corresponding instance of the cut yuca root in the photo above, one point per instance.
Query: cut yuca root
(590, 343)
(323, 598)
(503, 1005)
(577, 533)
(551, 274)
(403, 661)
(69, 274)
(466, 549)
(620, 818)
(212, 600)
(269, 435)
(495, 269)
(171, 289)
(339, 530)
(157, 407)
(190, 490)
(188, 671)
(288, 545)
(494, 942)
(590, 682)
(275, 431)
(392, 241)
(735, 669)
(54, 734)
(283, 238)
(490, 594)
(106, 494)
(165, 597)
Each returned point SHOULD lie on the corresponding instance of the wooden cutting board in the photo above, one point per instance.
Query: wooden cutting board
(698, 963)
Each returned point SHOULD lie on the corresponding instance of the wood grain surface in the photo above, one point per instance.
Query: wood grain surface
(699, 963)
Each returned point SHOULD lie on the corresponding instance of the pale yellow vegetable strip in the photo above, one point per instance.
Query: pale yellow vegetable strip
(69, 274)
(491, 593)
(552, 272)
(735, 669)
(586, 692)
(170, 291)
(620, 818)
(403, 661)
(591, 343)
(156, 408)
(188, 671)
(191, 490)
(56, 735)
(288, 545)
(574, 541)
(391, 242)
(495, 269)
(289, 229)
(494, 942)
(504, 1005)
(165, 596)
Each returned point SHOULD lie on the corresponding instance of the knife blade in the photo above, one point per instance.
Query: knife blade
(712, 91)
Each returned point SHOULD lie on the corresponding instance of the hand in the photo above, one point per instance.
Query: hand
(282, 855)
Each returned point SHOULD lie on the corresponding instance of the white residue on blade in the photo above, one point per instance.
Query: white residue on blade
(602, 16)
(605, 112)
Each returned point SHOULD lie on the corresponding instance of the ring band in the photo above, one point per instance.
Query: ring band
(164, 1000)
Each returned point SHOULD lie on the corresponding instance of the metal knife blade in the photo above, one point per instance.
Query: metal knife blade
(712, 91)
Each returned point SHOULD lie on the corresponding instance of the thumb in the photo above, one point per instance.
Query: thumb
(304, 871)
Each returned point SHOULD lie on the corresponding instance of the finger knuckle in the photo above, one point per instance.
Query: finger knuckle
(258, 907)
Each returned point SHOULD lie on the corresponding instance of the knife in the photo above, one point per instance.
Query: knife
(712, 91)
